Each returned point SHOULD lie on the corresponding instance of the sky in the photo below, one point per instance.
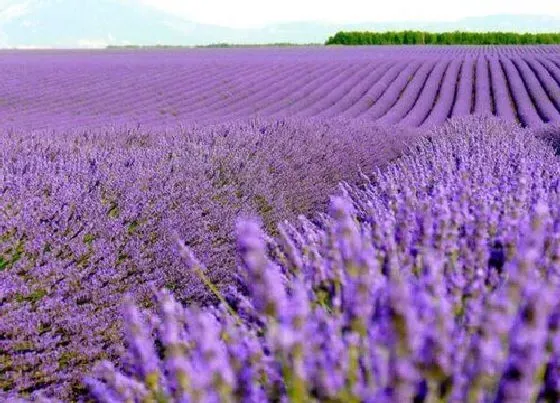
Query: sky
(254, 13)
(98, 23)
(258, 13)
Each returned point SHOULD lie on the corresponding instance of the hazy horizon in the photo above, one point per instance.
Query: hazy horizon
(99, 23)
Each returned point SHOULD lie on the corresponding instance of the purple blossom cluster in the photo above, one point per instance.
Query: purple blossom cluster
(435, 279)
(88, 216)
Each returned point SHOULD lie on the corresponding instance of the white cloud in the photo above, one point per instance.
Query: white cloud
(10, 10)
(92, 43)
(181, 27)
(97, 43)
(248, 13)
(29, 47)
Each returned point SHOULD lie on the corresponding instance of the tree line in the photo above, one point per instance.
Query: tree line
(442, 38)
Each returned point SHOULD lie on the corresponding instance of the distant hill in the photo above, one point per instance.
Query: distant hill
(98, 23)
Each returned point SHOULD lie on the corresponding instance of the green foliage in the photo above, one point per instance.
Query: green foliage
(11, 255)
(33, 297)
(131, 229)
(113, 210)
(443, 38)
(88, 238)
(3, 263)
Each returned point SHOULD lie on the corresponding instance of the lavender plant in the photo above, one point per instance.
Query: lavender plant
(86, 217)
(435, 280)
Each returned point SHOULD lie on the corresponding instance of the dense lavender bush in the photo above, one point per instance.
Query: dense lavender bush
(436, 280)
(550, 134)
(87, 216)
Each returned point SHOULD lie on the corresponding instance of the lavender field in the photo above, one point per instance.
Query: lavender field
(345, 224)
(407, 85)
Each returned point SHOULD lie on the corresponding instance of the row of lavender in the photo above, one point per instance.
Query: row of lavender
(436, 279)
(411, 86)
(87, 216)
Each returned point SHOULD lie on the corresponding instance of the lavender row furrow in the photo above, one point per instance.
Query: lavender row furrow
(550, 83)
(318, 92)
(425, 101)
(409, 96)
(265, 94)
(464, 102)
(393, 92)
(505, 105)
(358, 91)
(483, 100)
(525, 108)
(297, 90)
(338, 92)
(373, 93)
(539, 96)
(447, 95)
